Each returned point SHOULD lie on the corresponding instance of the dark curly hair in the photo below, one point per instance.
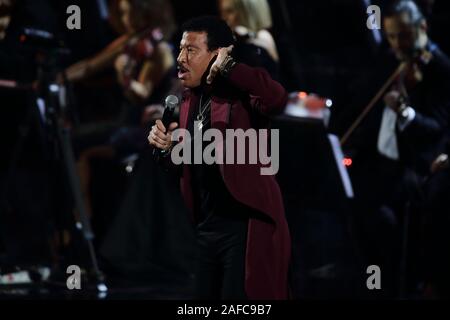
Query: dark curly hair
(219, 34)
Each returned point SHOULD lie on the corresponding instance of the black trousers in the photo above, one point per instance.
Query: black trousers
(221, 264)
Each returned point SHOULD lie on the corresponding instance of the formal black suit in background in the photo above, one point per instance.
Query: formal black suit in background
(424, 138)
(436, 225)
(386, 190)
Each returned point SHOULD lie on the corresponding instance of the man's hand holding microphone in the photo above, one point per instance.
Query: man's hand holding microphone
(161, 134)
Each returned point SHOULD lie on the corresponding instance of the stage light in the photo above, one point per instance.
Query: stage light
(54, 88)
(101, 287)
(302, 95)
(347, 162)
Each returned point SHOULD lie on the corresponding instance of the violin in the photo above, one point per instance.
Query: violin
(412, 74)
(135, 45)
(139, 49)
(407, 75)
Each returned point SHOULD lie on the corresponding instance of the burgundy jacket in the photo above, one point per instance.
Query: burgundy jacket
(268, 241)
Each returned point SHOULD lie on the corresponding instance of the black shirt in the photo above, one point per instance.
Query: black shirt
(215, 207)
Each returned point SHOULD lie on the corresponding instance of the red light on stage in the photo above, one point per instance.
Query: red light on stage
(347, 162)
(302, 95)
(23, 38)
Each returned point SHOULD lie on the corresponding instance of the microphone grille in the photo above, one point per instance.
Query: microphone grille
(171, 101)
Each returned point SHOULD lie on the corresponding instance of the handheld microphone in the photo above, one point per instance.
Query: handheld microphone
(170, 104)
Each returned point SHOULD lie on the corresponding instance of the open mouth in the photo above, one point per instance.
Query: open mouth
(182, 72)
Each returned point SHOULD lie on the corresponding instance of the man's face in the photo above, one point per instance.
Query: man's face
(401, 35)
(194, 58)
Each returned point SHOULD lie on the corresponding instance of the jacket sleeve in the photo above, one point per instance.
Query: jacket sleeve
(429, 126)
(268, 96)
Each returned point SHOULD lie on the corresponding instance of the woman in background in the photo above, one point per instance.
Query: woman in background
(144, 64)
(251, 21)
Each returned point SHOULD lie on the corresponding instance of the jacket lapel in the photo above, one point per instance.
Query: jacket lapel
(185, 111)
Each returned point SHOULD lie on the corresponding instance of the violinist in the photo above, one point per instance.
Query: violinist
(145, 58)
(409, 135)
(145, 66)
(417, 106)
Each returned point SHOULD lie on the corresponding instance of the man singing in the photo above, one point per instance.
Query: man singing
(243, 237)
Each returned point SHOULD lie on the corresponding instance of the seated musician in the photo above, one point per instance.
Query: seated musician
(145, 68)
(408, 136)
(437, 222)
